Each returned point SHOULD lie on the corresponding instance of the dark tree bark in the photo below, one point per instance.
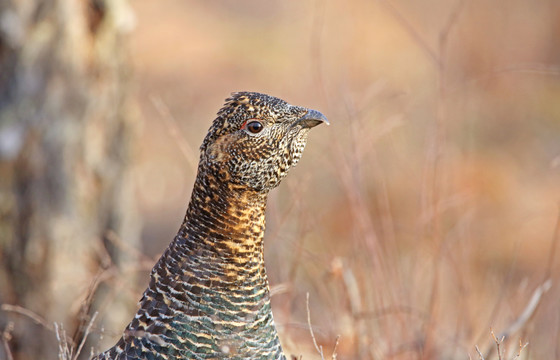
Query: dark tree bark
(65, 126)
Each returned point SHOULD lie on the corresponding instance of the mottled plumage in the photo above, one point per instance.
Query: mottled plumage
(208, 295)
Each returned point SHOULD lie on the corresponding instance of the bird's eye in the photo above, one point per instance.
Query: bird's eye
(253, 126)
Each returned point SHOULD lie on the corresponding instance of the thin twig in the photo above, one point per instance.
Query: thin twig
(64, 352)
(6, 337)
(317, 347)
(529, 309)
(334, 354)
(174, 131)
(451, 21)
(480, 356)
(542, 69)
(28, 313)
(316, 45)
(553, 247)
(521, 347)
(414, 34)
(433, 177)
(86, 333)
(498, 342)
(502, 293)
(116, 240)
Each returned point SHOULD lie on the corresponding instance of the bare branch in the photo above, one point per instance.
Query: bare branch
(451, 21)
(498, 342)
(528, 311)
(480, 356)
(334, 354)
(37, 319)
(86, 333)
(522, 346)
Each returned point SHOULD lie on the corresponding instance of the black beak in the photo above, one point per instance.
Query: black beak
(311, 119)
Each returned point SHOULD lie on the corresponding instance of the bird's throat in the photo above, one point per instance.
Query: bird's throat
(228, 221)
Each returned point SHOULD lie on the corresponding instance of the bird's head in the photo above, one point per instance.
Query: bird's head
(256, 139)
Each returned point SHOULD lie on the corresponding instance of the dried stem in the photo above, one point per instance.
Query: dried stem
(480, 356)
(317, 347)
(334, 354)
(6, 337)
(175, 132)
(553, 247)
(498, 342)
(524, 317)
(522, 346)
(434, 164)
(37, 319)
(316, 45)
(415, 35)
(86, 333)
(529, 310)
(64, 351)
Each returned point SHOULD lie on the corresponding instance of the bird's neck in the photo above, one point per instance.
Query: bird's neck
(226, 220)
(217, 264)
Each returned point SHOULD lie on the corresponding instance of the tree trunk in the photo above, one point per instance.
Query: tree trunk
(65, 126)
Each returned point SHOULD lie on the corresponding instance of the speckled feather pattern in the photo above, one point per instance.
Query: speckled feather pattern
(208, 296)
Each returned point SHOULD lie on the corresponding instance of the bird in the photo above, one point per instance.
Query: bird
(208, 295)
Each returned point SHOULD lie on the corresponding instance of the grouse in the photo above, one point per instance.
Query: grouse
(208, 296)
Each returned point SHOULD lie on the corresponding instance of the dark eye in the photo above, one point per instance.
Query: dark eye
(254, 126)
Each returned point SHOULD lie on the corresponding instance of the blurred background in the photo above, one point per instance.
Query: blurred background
(423, 223)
